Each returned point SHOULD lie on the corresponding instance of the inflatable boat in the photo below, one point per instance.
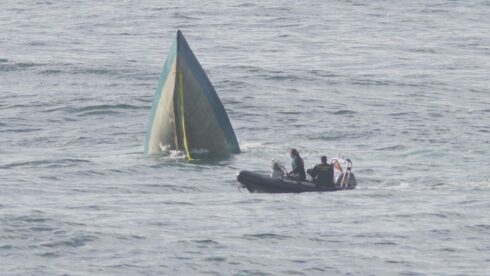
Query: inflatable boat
(261, 183)
(257, 182)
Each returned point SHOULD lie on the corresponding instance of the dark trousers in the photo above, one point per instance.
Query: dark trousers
(297, 177)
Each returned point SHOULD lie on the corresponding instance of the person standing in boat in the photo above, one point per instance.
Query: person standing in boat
(322, 174)
(298, 172)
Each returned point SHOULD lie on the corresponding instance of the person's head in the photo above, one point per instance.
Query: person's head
(293, 153)
(323, 159)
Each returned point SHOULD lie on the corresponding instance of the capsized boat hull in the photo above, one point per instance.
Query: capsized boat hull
(260, 183)
(187, 114)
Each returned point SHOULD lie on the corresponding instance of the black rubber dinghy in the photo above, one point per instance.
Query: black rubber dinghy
(260, 183)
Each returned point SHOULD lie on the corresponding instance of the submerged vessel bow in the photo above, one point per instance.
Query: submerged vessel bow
(186, 113)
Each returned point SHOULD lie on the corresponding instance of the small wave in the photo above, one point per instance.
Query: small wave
(344, 112)
(114, 106)
(208, 241)
(41, 229)
(22, 106)
(482, 227)
(338, 135)
(266, 236)
(368, 82)
(371, 82)
(22, 66)
(118, 73)
(252, 272)
(423, 50)
(399, 186)
(173, 202)
(479, 185)
(99, 112)
(93, 71)
(436, 115)
(253, 201)
(448, 249)
(290, 112)
(215, 259)
(244, 5)
(386, 243)
(282, 77)
(73, 242)
(234, 84)
(50, 72)
(432, 11)
(323, 74)
(400, 114)
(392, 148)
(57, 163)
(36, 43)
(248, 68)
(99, 109)
(6, 247)
(48, 255)
(88, 207)
(33, 219)
(401, 262)
(22, 130)
(183, 16)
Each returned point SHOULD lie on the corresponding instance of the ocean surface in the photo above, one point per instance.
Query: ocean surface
(400, 87)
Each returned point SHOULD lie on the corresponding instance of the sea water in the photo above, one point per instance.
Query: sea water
(401, 88)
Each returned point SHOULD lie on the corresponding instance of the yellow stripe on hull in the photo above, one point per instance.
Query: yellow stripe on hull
(184, 136)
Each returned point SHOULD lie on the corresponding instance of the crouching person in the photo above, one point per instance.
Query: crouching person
(276, 171)
(322, 174)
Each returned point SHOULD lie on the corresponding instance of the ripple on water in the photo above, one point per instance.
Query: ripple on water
(102, 109)
(76, 241)
(265, 236)
(343, 112)
(21, 66)
(6, 247)
(392, 148)
(215, 259)
(47, 163)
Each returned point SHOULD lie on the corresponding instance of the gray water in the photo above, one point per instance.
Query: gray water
(400, 87)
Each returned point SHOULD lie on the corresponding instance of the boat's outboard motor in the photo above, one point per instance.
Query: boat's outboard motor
(347, 180)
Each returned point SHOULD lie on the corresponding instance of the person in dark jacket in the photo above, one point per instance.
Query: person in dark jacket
(322, 174)
(298, 172)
